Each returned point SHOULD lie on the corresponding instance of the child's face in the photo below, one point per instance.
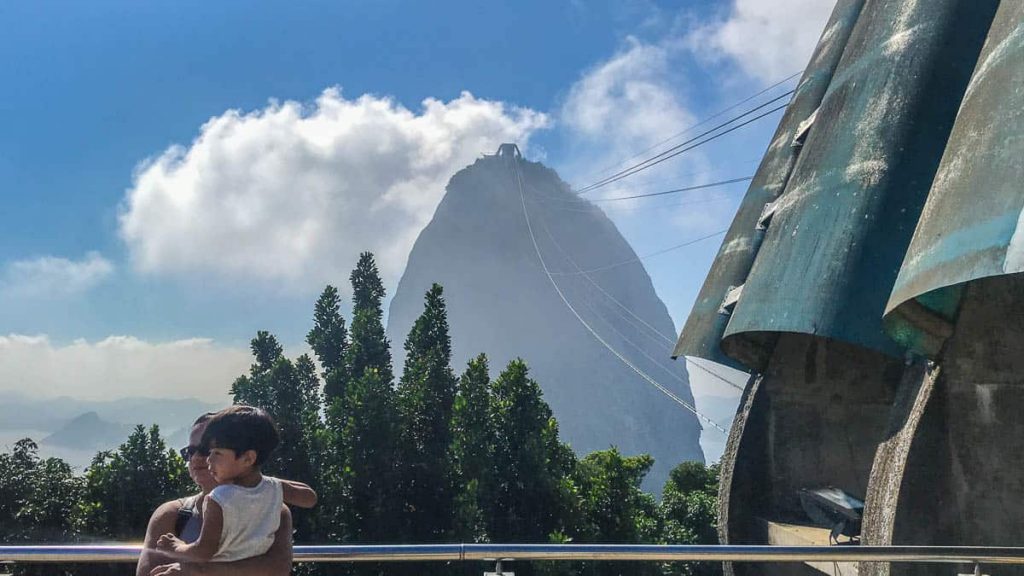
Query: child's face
(226, 465)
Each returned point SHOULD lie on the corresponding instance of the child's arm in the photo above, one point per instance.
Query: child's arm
(203, 549)
(298, 494)
(276, 562)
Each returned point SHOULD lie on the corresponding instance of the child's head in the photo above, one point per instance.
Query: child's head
(238, 439)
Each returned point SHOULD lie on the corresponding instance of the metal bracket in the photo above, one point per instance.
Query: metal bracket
(732, 296)
(766, 215)
(803, 129)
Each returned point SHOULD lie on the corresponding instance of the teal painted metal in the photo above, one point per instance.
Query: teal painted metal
(841, 228)
(972, 225)
(705, 326)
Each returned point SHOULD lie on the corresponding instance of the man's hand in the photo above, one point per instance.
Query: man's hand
(177, 569)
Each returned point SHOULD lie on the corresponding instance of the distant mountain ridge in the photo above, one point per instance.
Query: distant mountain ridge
(89, 432)
(500, 302)
(75, 429)
(21, 411)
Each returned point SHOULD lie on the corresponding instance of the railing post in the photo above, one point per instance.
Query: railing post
(498, 571)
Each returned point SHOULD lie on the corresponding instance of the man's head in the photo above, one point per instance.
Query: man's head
(245, 436)
(194, 456)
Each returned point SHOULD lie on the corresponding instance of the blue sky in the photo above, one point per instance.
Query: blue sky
(99, 258)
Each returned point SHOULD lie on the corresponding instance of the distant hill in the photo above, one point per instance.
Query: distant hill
(89, 432)
(18, 411)
(501, 302)
(74, 430)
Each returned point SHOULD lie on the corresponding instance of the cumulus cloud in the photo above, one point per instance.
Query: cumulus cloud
(290, 194)
(628, 97)
(767, 40)
(50, 276)
(628, 108)
(120, 366)
(624, 105)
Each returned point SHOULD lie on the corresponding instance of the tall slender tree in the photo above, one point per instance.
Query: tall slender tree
(289, 392)
(364, 421)
(370, 507)
(473, 437)
(368, 346)
(329, 339)
(253, 389)
(426, 395)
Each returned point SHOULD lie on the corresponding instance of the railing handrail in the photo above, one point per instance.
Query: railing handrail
(601, 552)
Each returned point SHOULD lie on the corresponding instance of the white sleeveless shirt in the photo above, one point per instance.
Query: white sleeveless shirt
(251, 518)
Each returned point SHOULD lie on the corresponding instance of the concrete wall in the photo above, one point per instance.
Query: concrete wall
(961, 480)
(813, 419)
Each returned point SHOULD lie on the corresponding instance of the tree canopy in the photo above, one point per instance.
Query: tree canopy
(433, 457)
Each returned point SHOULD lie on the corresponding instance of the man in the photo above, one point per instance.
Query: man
(184, 517)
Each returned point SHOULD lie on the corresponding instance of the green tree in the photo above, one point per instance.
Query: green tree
(473, 438)
(425, 398)
(369, 417)
(614, 509)
(368, 347)
(689, 506)
(362, 423)
(124, 486)
(16, 471)
(38, 501)
(289, 392)
(530, 498)
(311, 407)
(329, 339)
(253, 389)
(54, 494)
(266, 349)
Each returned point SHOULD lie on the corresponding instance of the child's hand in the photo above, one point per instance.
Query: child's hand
(170, 543)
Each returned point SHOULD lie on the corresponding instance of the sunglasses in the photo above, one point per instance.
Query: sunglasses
(188, 451)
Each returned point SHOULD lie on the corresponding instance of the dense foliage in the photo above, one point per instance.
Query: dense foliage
(434, 457)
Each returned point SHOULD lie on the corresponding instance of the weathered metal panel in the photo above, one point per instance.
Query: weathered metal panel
(972, 225)
(706, 324)
(842, 226)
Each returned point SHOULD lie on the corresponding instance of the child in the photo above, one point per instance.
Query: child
(241, 515)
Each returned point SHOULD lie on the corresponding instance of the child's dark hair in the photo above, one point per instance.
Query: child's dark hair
(242, 428)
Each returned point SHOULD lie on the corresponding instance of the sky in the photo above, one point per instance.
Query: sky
(175, 175)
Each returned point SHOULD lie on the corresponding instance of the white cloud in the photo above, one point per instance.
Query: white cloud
(624, 105)
(629, 108)
(50, 276)
(120, 366)
(290, 194)
(629, 97)
(767, 40)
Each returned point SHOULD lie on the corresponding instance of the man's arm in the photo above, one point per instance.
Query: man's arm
(203, 549)
(276, 562)
(162, 521)
(298, 494)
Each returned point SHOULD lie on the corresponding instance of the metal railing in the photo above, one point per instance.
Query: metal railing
(974, 555)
